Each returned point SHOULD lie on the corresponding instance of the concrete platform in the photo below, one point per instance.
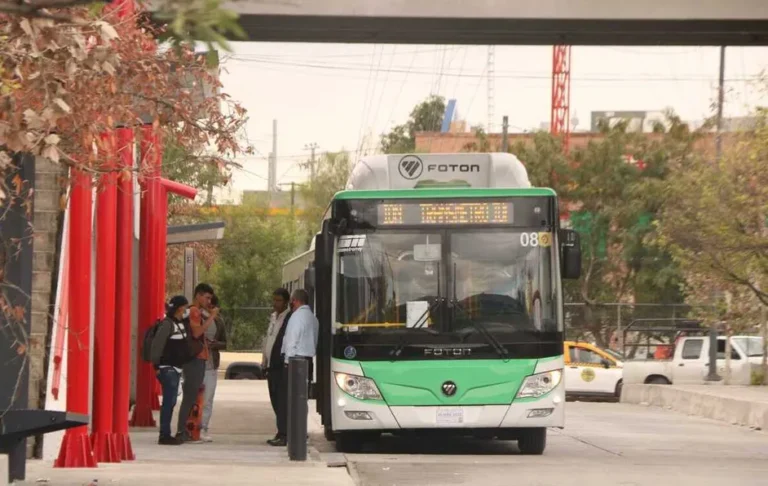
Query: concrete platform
(736, 405)
(242, 422)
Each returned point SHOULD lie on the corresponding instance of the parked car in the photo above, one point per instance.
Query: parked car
(689, 363)
(244, 370)
(591, 371)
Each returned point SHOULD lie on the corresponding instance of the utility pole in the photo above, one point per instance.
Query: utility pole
(720, 102)
(505, 134)
(712, 368)
(272, 177)
(312, 170)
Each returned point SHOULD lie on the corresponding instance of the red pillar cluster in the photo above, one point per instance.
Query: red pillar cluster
(109, 440)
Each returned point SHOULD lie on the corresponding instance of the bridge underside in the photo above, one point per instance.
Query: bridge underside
(500, 31)
(496, 22)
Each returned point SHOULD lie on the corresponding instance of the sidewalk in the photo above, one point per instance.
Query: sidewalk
(736, 405)
(242, 422)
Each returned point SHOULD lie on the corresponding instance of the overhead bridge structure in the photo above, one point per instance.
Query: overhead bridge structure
(510, 22)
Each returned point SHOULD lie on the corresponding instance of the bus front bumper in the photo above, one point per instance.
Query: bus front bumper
(547, 411)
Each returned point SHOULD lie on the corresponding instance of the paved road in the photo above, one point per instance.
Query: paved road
(603, 444)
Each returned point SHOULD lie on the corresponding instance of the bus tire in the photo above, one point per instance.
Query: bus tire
(532, 442)
(349, 442)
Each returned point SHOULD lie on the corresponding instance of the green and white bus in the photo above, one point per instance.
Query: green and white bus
(436, 279)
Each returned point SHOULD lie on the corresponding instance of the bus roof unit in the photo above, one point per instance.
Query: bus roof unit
(414, 171)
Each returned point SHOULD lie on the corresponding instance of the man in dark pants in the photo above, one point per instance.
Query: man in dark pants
(300, 341)
(271, 361)
(194, 370)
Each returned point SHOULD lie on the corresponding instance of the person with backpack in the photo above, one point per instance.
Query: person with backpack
(194, 370)
(169, 352)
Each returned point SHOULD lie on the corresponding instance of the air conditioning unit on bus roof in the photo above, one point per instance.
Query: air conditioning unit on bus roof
(413, 171)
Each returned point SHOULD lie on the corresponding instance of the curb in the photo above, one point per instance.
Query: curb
(701, 404)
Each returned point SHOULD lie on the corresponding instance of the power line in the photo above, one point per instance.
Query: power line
(508, 75)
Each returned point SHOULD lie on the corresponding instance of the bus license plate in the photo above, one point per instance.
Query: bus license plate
(450, 416)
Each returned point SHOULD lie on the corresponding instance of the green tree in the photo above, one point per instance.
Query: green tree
(717, 232)
(331, 171)
(248, 267)
(614, 191)
(427, 116)
(185, 21)
(617, 185)
(196, 168)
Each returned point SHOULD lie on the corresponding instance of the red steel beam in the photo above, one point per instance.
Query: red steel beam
(104, 445)
(123, 293)
(145, 376)
(76, 449)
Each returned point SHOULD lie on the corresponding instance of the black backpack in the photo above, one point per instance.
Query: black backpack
(149, 336)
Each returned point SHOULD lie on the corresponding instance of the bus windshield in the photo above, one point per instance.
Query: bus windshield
(446, 282)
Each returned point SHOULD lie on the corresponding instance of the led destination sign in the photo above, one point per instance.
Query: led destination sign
(438, 213)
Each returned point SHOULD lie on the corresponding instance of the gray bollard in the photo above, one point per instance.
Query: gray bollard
(298, 371)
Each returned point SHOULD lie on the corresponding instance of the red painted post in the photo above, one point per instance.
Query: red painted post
(76, 449)
(157, 232)
(145, 376)
(123, 295)
(102, 438)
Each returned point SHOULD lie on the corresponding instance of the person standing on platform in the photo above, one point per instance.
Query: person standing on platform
(169, 354)
(194, 371)
(300, 342)
(271, 361)
(216, 338)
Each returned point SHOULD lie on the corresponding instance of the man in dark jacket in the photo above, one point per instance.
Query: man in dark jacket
(169, 353)
(271, 361)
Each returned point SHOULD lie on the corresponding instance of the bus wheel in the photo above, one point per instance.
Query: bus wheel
(349, 441)
(328, 433)
(532, 442)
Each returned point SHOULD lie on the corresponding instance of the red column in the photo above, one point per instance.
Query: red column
(157, 245)
(104, 446)
(145, 376)
(76, 450)
(123, 295)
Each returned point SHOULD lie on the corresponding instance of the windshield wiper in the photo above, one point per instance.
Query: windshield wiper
(419, 322)
(495, 344)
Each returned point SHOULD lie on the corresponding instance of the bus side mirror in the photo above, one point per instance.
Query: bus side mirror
(570, 254)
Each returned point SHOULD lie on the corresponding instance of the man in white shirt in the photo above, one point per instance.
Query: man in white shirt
(271, 363)
(300, 341)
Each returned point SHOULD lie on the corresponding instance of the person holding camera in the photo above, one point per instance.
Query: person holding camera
(194, 371)
(216, 338)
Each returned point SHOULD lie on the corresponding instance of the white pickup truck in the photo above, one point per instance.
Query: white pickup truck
(690, 362)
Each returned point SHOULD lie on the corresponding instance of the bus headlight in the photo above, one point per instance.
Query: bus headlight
(540, 384)
(359, 387)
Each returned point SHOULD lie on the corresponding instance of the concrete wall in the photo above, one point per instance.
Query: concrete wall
(736, 405)
(47, 211)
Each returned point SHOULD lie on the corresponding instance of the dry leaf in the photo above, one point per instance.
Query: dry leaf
(51, 152)
(63, 106)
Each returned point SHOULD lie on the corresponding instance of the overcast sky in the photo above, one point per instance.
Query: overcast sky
(343, 96)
